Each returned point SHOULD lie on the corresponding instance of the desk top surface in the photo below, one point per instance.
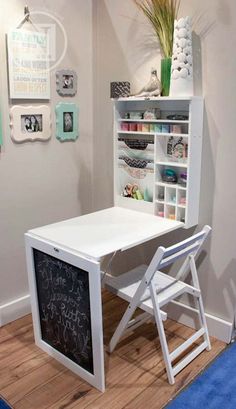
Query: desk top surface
(98, 234)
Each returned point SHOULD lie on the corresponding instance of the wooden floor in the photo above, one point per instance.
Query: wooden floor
(135, 373)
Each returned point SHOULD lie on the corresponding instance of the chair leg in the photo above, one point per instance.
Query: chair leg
(200, 302)
(204, 323)
(162, 336)
(121, 328)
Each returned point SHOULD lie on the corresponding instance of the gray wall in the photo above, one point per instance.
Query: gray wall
(44, 182)
(125, 50)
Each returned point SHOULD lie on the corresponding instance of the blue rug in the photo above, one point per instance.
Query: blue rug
(215, 388)
(4, 405)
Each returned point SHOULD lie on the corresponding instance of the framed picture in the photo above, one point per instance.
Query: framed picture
(66, 81)
(28, 65)
(66, 121)
(30, 123)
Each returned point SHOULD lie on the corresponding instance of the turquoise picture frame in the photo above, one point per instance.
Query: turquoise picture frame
(67, 123)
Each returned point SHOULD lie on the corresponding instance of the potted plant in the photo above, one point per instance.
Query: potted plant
(162, 14)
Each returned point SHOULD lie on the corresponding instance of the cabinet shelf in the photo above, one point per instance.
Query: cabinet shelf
(163, 151)
(173, 185)
(155, 121)
(177, 164)
(177, 135)
(136, 133)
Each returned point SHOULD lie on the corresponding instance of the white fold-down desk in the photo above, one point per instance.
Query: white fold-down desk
(63, 261)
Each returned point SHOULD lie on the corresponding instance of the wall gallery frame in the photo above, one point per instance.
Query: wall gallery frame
(66, 121)
(28, 65)
(30, 123)
(66, 81)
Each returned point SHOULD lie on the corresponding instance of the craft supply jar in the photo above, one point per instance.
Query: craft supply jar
(124, 126)
(145, 128)
(133, 127)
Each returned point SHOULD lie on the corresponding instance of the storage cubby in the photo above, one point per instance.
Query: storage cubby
(157, 145)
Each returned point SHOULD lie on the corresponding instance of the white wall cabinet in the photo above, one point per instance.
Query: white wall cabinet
(158, 160)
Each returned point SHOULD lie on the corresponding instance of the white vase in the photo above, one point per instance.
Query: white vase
(181, 83)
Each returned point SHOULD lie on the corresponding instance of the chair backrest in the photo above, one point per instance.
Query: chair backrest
(166, 256)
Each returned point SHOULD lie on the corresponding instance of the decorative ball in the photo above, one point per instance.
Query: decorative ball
(175, 65)
(183, 73)
(181, 23)
(187, 20)
(189, 58)
(182, 57)
(182, 33)
(187, 50)
(182, 42)
(175, 74)
(175, 48)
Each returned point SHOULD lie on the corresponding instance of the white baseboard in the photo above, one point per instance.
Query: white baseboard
(15, 309)
(217, 327)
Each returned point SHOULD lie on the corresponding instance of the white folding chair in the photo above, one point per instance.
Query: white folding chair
(150, 289)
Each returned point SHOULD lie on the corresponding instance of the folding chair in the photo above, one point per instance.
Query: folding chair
(150, 289)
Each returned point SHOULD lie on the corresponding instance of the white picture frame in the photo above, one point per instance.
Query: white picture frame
(30, 123)
(28, 64)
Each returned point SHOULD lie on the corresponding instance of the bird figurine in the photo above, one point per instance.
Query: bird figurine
(152, 88)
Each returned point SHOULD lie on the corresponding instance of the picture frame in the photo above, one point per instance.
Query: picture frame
(28, 65)
(67, 121)
(30, 123)
(66, 81)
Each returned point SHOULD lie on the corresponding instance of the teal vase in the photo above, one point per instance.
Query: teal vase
(165, 76)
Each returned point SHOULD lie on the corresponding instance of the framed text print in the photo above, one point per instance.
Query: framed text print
(28, 65)
(30, 123)
(66, 121)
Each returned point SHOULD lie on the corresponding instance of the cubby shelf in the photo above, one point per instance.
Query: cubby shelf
(158, 121)
(177, 135)
(177, 164)
(136, 133)
(171, 156)
(172, 185)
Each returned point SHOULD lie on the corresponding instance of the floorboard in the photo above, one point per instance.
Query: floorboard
(135, 372)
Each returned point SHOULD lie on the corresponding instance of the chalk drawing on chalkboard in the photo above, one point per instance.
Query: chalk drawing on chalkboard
(64, 308)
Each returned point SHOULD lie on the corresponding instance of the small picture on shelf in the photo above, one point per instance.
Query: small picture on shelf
(31, 123)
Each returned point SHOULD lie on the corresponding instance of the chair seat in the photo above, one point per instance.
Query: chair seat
(166, 286)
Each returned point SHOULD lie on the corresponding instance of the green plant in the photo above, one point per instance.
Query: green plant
(161, 14)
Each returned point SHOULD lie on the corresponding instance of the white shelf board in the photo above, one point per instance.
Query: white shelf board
(175, 185)
(163, 120)
(136, 133)
(177, 135)
(143, 99)
(177, 164)
(182, 206)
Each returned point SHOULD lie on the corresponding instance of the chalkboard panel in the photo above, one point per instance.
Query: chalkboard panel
(64, 308)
